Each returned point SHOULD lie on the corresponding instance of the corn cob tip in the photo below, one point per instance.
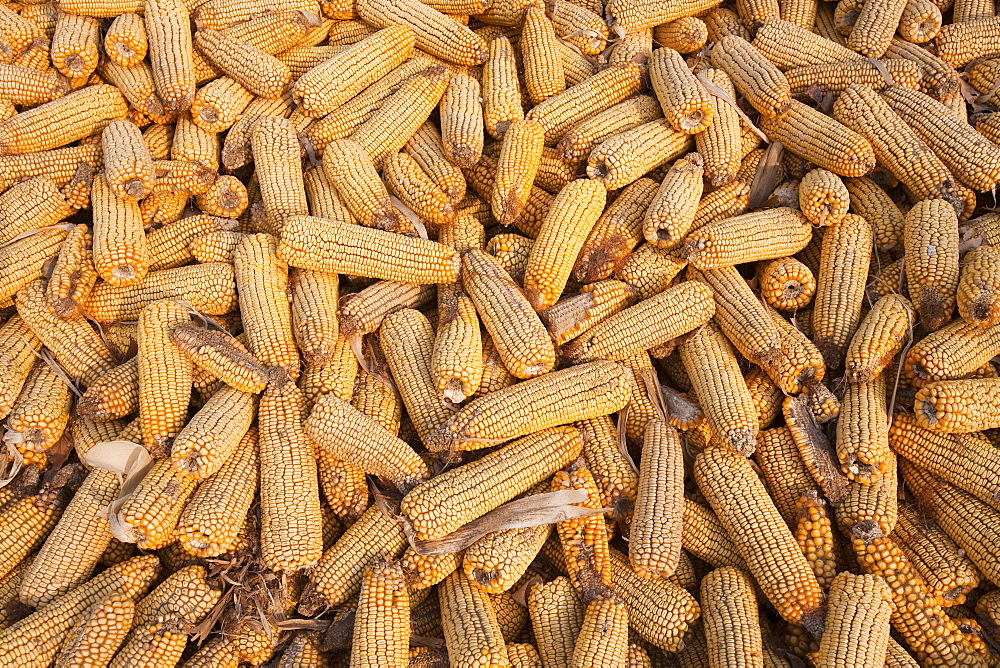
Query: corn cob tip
(866, 531)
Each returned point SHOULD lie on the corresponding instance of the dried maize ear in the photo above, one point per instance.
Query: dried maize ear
(623, 158)
(823, 197)
(423, 571)
(671, 213)
(686, 104)
(40, 414)
(214, 433)
(482, 179)
(788, 45)
(125, 41)
(406, 180)
(543, 67)
(434, 510)
(259, 72)
(650, 270)
(557, 617)
(275, 148)
(729, 606)
(874, 27)
(756, 528)
(761, 235)
(33, 203)
(336, 375)
(72, 550)
(517, 165)
(362, 312)
(685, 35)
(655, 530)
(574, 315)
(427, 149)
(18, 346)
(816, 137)
(632, 15)
(482, 642)
(99, 634)
(23, 260)
(729, 409)
(218, 104)
(786, 284)
(149, 515)
(163, 398)
(944, 566)
(112, 396)
(834, 77)
(168, 245)
(814, 533)
(382, 622)
(857, 626)
(187, 176)
(75, 344)
(617, 232)
(785, 474)
(221, 356)
(75, 44)
(932, 272)
(456, 363)
(501, 91)
(192, 143)
(344, 487)
(60, 165)
(871, 202)
(436, 33)
(757, 79)
(161, 208)
(584, 136)
(170, 52)
(921, 22)
(883, 333)
(216, 246)
(128, 164)
(120, 248)
(704, 537)
(338, 575)
(961, 42)
(77, 115)
(584, 540)
(496, 562)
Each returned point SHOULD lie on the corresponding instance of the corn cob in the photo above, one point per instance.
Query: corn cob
(921, 21)
(162, 619)
(120, 248)
(963, 41)
(633, 16)
(671, 213)
(871, 202)
(557, 617)
(71, 551)
(211, 520)
(259, 72)
(99, 634)
(883, 333)
(574, 315)
(603, 638)
(192, 143)
(686, 105)
(427, 149)
(585, 391)
(786, 284)
(218, 246)
(324, 199)
(221, 356)
(33, 203)
(821, 140)
(574, 212)
(525, 462)
(382, 623)
(523, 343)
(836, 76)
(26, 86)
(406, 180)
(741, 317)
(582, 137)
(170, 52)
(785, 474)
(291, 521)
(456, 363)
(729, 409)
(74, 49)
(276, 154)
(262, 282)
(148, 515)
(168, 245)
(436, 33)
(944, 566)
(605, 89)
(517, 165)
(18, 345)
(932, 271)
(650, 270)
(336, 375)
(344, 487)
(39, 636)
(23, 260)
(483, 642)
(126, 42)
(218, 104)
(617, 232)
(407, 339)
(128, 164)
(623, 158)
(214, 433)
(857, 622)
(496, 562)
(160, 208)
(336, 247)
(373, 397)
(424, 571)
(363, 312)
(137, 86)
(814, 534)
(584, 540)
(655, 534)
(704, 537)
(761, 235)
(59, 165)
(501, 93)
(788, 45)
(760, 82)
(741, 502)
(871, 502)
(823, 197)
(338, 575)
(730, 618)
(543, 68)
(954, 351)
(685, 35)
(29, 515)
(659, 611)
(875, 26)
(218, 14)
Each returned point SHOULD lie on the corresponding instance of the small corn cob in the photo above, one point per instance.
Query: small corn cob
(874, 502)
(260, 73)
(423, 571)
(363, 312)
(162, 619)
(659, 611)
(23, 261)
(517, 165)
(161, 208)
(921, 22)
(137, 85)
(324, 199)
(40, 414)
(882, 334)
(436, 33)
(501, 92)
(170, 52)
(126, 42)
(291, 520)
(932, 272)
(557, 618)
(603, 637)
(573, 214)
(584, 391)
(584, 540)
(77, 347)
(456, 363)
(218, 246)
(18, 345)
(461, 121)
(128, 164)
(434, 510)
(336, 375)
(554, 173)
(785, 474)
(846, 254)
(814, 534)
(314, 313)
(685, 35)
(373, 397)
(210, 523)
(482, 178)
(671, 213)
(761, 235)
(741, 316)
(786, 284)
(168, 245)
(219, 14)
(338, 575)
(957, 406)
(857, 622)
(650, 270)
(875, 26)
(72, 550)
(685, 103)
(625, 157)
(574, 315)
(823, 197)
(718, 143)
(711, 363)
(836, 76)
(816, 137)
(761, 83)
(788, 45)
(53, 124)
(120, 248)
(344, 487)
(943, 565)
(471, 628)
(427, 149)
(221, 356)
(496, 562)
(406, 180)
(192, 143)
(183, 176)
(756, 528)
(872, 203)
(954, 351)
(214, 433)
(340, 429)
(38, 636)
(609, 87)
(382, 622)
(578, 141)
(705, 538)
(336, 247)
(262, 282)
(520, 337)
(27, 86)
(60, 165)
(149, 515)
(407, 340)
(729, 606)
(99, 634)
(217, 105)
(655, 533)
